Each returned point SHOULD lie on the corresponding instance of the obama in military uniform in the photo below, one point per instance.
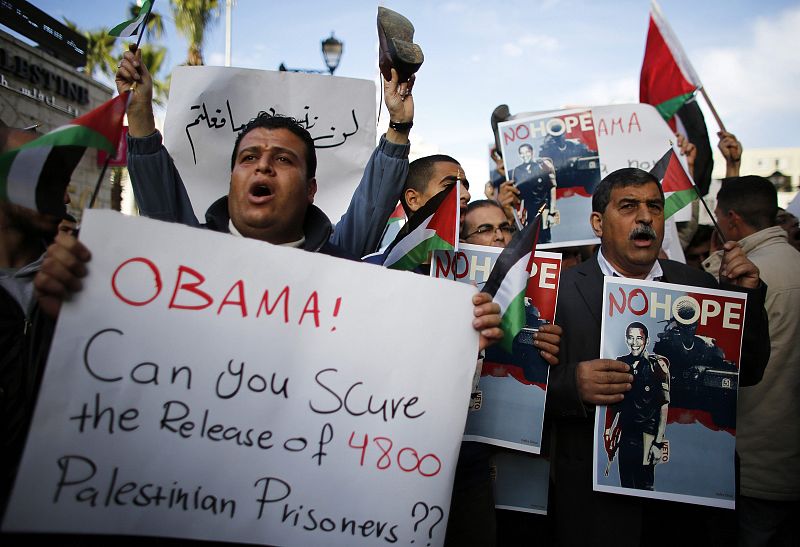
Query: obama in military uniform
(641, 417)
(536, 180)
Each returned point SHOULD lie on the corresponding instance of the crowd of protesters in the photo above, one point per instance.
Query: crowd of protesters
(271, 199)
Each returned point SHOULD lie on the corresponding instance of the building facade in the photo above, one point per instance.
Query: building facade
(38, 90)
(780, 165)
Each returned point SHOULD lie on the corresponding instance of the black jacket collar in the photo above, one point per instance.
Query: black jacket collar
(316, 226)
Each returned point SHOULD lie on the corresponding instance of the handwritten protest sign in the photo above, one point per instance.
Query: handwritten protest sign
(507, 408)
(673, 436)
(213, 387)
(560, 156)
(209, 105)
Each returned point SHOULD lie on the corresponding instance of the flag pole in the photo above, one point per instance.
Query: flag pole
(538, 221)
(144, 25)
(713, 110)
(108, 158)
(700, 197)
(710, 214)
(99, 182)
(703, 201)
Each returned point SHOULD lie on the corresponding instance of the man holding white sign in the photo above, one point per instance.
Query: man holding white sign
(257, 383)
(271, 199)
(274, 157)
(161, 193)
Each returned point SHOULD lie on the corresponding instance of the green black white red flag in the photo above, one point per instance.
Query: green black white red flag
(393, 226)
(132, 27)
(36, 174)
(397, 215)
(508, 280)
(668, 79)
(678, 188)
(433, 227)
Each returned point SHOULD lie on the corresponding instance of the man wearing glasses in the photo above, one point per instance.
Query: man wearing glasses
(485, 223)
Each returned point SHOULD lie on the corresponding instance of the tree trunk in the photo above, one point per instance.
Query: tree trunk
(195, 56)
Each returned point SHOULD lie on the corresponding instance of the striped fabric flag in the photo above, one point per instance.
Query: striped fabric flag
(131, 28)
(667, 80)
(433, 227)
(679, 189)
(393, 226)
(508, 281)
(692, 125)
(397, 215)
(36, 174)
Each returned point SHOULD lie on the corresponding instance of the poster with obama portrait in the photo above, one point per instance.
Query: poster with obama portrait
(509, 389)
(558, 157)
(673, 435)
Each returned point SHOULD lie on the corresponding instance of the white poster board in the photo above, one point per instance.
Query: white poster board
(208, 105)
(211, 387)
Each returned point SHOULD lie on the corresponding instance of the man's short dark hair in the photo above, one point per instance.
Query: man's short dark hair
(637, 325)
(752, 198)
(621, 178)
(266, 120)
(525, 145)
(420, 172)
(480, 203)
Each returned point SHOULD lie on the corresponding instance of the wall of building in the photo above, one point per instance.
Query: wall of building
(38, 89)
(764, 162)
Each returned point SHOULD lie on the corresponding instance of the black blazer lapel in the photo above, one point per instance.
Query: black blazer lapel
(589, 284)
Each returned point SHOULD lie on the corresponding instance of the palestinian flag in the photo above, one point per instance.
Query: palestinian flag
(668, 79)
(393, 226)
(36, 174)
(433, 227)
(679, 189)
(508, 281)
(131, 28)
(397, 215)
(692, 125)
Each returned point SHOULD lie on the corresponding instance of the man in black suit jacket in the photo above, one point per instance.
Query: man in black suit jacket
(628, 217)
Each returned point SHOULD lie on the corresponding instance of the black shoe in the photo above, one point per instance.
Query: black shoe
(397, 49)
(500, 114)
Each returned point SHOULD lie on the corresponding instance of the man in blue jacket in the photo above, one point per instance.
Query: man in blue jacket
(161, 194)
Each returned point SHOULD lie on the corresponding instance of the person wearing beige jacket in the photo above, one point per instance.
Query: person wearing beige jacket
(768, 414)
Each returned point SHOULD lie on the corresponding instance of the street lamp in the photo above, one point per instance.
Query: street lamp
(332, 52)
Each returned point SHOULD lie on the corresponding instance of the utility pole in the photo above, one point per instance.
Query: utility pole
(228, 9)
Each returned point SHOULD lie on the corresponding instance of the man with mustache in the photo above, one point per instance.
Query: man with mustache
(641, 416)
(628, 217)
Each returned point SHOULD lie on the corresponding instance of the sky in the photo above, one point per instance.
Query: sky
(530, 54)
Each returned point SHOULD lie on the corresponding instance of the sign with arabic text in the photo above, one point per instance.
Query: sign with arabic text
(209, 105)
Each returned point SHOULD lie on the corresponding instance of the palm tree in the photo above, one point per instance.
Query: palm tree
(98, 51)
(153, 58)
(192, 18)
(154, 27)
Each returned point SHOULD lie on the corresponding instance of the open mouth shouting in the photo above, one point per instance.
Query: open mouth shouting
(260, 193)
(643, 236)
